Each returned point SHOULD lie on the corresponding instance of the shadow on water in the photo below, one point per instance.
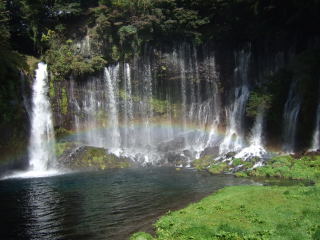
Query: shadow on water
(100, 205)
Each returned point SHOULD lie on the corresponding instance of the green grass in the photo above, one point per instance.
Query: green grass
(246, 212)
(209, 163)
(218, 168)
(304, 168)
(252, 212)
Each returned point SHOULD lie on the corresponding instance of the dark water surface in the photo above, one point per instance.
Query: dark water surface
(99, 205)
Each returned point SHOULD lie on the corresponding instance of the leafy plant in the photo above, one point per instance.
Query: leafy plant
(258, 101)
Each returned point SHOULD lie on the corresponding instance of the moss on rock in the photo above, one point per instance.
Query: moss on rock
(203, 163)
(85, 157)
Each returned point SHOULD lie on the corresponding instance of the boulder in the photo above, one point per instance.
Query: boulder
(176, 159)
(173, 145)
(231, 154)
(213, 151)
(92, 158)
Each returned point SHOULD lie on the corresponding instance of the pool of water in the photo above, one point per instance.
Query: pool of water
(100, 205)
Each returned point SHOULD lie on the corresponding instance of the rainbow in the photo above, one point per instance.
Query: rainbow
(154, 123)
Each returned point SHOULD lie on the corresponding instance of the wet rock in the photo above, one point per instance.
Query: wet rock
(173, 145)
(92, 158)
(231, 154)
(189, 154)
(238, 168)
(176, 159)
(213, 151)
(307, 153)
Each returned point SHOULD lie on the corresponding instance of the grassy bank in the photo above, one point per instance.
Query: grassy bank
(252, 212)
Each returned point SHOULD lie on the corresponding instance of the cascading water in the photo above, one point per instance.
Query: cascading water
(183, 82)
(128, 108)
(213, 138)
(124, 111)
(41, 148)
(234, 139)
(111, 78)
(147, 111)
(91, 105)
(290, 118)
(172, 120)
(316, 135)
(256, 148)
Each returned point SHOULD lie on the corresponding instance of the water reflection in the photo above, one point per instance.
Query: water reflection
(42, 210)
(99, 205)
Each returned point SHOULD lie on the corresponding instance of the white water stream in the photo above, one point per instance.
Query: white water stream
(290, 118)
(41, 153)
(316, 136)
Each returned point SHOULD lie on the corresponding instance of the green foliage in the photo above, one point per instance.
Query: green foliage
(32, 63)
(11, 64)
(209, 163)
(64, 60)
(245, 164)
(64, 101)
(4, 32)
(159, 106)
(141, 236)
(246, 212)
(133, 6)
(126, 32)
(203, 162)
(115, 53)
(258, 102)
(304, 168)
(63, 9)
(10, 60)
(93, 158)
(123, 95)
(219, 168)
(62, 147)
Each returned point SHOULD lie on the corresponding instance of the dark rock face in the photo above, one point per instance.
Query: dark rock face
(15, 163)
(91, 158)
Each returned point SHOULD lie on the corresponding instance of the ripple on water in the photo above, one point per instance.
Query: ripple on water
(99, 205)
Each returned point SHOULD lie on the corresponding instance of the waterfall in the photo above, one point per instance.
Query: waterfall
(111, 78)
(234, 139)
(41, 147)
(256, 148)
(213, 138)
(77, 109)
(256, 139)
(84, 46)
(128, 108)
(290, 118)
(316, 135)
(168, 121)
(183, 80)
(91, 104)
(147, 111)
